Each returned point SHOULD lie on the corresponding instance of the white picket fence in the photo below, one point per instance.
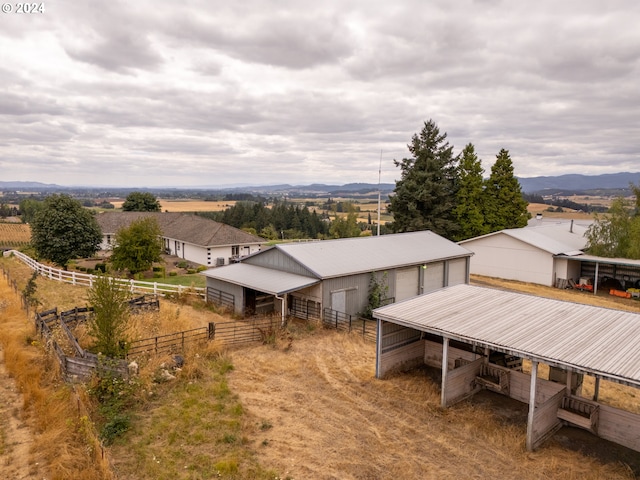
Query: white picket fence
(86, 279)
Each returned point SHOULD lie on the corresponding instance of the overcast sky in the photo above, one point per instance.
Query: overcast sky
(194, 93)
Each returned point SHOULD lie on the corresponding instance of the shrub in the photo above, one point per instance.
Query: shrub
(173, 274)
(101, 267)
(157, 275)
(191, 271)
(182, 264)
(158, 269)
(201, 268)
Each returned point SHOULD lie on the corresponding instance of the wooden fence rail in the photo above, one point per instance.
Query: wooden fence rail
(86, 279)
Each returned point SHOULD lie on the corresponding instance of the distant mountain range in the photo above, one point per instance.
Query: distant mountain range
(541, 185)
(575, 182)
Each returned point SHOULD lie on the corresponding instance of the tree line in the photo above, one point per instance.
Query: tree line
(283, 220)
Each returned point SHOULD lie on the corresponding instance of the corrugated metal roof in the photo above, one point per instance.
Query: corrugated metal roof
(262, 279)
(553, 238)
(185, 227)
(610, 261)
(589, 339)
(332, 258)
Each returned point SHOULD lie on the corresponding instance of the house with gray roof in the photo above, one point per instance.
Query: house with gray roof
(188, 236)
(308, 279)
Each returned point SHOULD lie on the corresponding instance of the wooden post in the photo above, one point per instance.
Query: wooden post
(596, 389)
(445, 369)
(532, 404)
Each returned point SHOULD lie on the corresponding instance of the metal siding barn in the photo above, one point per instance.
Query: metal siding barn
(526, 254)
(348, 265)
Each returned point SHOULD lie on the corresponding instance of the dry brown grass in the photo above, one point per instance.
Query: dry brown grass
(329, 417)
(60, 448)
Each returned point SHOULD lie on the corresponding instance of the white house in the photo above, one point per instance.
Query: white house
(188, 236)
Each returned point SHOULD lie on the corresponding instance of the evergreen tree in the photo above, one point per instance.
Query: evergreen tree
(63, 229)
(470, 195)
(141, 202)
(425, 195)
(504, 205)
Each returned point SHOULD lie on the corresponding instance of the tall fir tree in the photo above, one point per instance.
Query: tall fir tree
(425, 195)
(470, 195)
(504, 205)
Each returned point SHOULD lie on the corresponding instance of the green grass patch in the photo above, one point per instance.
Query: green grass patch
(192, 429)
(186, 280)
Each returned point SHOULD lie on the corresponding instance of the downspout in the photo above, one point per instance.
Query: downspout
(283, 307)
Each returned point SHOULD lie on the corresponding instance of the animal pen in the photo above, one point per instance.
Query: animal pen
(458, 328)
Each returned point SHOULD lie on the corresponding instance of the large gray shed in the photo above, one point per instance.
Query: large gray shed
(305, 279)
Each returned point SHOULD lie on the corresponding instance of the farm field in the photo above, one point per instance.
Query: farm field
(14, 234)
(186, 205)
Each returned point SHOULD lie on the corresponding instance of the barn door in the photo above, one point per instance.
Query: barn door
(339, 301)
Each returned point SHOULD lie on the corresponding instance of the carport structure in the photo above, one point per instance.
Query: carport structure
(456, 328)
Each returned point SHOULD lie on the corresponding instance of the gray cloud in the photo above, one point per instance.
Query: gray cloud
(303, 92)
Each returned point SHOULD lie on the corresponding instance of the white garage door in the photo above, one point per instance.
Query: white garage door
(457, 271)
(407, 283)
(433, 277)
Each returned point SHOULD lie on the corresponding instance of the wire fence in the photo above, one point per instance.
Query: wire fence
(350, 323)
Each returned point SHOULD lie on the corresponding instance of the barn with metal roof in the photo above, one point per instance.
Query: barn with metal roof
(457, 328)
(536, 254)
(307, 279)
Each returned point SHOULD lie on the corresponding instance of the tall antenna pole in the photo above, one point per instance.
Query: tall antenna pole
(379, 175)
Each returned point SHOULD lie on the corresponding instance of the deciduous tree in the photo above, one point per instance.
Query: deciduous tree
(137, 246)
(141, 202)
(615, 234)
(425, 196)
(62, 229)
(108, 325)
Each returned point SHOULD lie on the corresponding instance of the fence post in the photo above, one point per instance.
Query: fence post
(350, 320)
(156, 344)
(183, 340)
(212, 330)
(336, 320)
